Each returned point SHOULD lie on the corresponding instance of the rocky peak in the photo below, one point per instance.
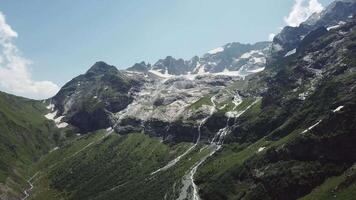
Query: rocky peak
(169, 60)
(171, 65)
(338, 12)
(102, 68)
(140, 67)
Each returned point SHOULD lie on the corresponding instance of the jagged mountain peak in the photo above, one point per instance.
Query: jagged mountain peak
(243, 59)
(337, 13)
(140, 67)
(101, 67)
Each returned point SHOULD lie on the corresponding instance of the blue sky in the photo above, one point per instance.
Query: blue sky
(64, 38)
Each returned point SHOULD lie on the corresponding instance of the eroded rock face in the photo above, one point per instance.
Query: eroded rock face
(172, 108)
(167, 107)
(87, 101)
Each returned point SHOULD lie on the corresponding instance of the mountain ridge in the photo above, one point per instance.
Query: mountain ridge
(257, 124)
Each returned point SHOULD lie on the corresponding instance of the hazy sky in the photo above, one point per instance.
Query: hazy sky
(62, 39)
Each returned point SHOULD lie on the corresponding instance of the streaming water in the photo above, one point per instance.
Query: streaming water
(28, 190)
(189, 189)
(201, 123)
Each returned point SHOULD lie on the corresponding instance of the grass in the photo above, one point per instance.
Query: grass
(329, 189)
(203, 101)
(126, 162)
(25, 135)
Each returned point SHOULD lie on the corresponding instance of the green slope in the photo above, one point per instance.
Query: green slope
(25, 135)
(113, 167)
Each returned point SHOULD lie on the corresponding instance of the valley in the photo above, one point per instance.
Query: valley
(271, 120)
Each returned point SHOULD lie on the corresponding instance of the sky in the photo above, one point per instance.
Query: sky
(44, 44)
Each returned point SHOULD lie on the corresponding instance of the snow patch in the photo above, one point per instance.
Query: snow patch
(291, 52)
(159, 74)
(336, 26)
(311, 127)
(62, 125)
(51, 116)
(58, 120)
(249, 54)
(227, 72)
(256, 70)
(261, 149)
(215, 51)
(338, 109)
(259, 60)
(50, 107)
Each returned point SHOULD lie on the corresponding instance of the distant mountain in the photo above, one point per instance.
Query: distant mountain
(91, 100)
(140, 67)
(242, 58)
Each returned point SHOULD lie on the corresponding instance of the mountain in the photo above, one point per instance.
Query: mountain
(302, 136)
(244, 59)
(284, 133)
(87, 101)
(140, 67)
(241, 122)
(337, 13)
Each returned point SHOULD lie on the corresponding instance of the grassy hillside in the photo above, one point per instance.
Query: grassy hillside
(25, 135)
(112, 167)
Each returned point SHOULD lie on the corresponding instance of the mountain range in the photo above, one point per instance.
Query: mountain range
(270, 120)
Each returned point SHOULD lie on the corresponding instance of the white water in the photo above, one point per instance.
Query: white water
(202, 122)
(27, 191)
(311, 127)
(176, 160)
(216, 143)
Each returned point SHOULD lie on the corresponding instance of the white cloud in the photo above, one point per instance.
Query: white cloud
(15, 77)
(271, 36)
(301, 11)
